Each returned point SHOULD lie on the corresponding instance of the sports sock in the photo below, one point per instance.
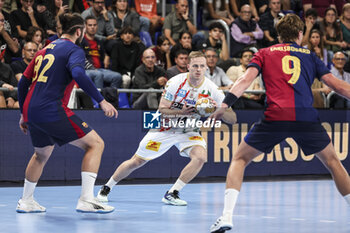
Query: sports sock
(231, 196)
(179, 184)
(347, 198)
(28, 189)
(87, 185)
(111, 182)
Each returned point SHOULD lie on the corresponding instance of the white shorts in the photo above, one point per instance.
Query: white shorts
(156, 143)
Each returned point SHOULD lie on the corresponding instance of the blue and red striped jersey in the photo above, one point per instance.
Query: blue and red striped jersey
(52, 82)
(288, 71)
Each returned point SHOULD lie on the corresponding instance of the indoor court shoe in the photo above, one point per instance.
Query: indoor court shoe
(173, 199)
(221, 225)
(29, 206)
(93, 206)
(102, 195)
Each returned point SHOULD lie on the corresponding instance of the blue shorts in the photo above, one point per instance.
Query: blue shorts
(310, 136)
(61, 132)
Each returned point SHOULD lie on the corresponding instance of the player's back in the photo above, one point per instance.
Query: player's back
(288, 71)
(51, 80)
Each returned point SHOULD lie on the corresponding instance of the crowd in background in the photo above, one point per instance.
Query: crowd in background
(129, 45)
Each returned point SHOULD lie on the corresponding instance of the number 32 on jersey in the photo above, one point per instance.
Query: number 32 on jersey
(287, 62)
(38, 63)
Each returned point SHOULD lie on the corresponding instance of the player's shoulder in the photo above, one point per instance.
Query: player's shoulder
(178, 79)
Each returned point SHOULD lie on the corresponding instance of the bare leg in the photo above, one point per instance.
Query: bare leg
(198, 157)
(2, 100)
(127, 167)
(37, 162)
(340, 176)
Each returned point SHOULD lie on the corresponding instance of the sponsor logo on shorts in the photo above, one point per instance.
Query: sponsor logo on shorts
(152, 145)
(196, 138)
(84, 124)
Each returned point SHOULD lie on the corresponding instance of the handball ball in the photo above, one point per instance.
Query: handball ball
(205, 106)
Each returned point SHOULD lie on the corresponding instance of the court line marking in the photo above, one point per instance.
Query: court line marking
(297, 219)
(269, 217)
(328, 221)
(150, 211)
(59, 207)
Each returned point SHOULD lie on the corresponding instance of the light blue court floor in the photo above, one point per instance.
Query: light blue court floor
(271, 207)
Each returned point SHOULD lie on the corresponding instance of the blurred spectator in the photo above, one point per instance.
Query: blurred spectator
(247, 100)
(9, 6)
(316, 45)
(9, 25)
(35, 35)
(319, 5)
(25, 17)
(261, 6)
(185, 42)
(9, 47)
(181, 62)
(28, 52)
(8, 80)
(245, 32)
(105, 28)
(126, 55)
(216, 40)
(147, 9)
(215, 73)
(179, 21)
(310, 24)
(236, 6)
(94, 53)
(332, 34)
(286, 5)
(339, 60)
(268, 22)
(217, 9)
(123, 17)
(162, 51)
(148, 76)
(345, 23)
(53, 10)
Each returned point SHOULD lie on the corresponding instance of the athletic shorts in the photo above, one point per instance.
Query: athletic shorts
(156, 143)
(310, 136)
(61, 132)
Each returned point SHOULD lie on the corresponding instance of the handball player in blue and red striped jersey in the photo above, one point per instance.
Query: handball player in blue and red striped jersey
(288, 71)
(50, 78)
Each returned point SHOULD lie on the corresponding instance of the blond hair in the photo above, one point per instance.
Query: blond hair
(288, 27)
(195, 54)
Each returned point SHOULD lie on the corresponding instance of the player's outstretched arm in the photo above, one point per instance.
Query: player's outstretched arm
(229, 116)
(108, 109)
(339, 86)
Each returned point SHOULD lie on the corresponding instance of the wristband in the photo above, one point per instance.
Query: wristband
(230, 99)
(187, 20)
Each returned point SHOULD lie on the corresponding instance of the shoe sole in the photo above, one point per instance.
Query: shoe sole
(95, 212)
(222, 229)
(170, 203)
(28, 212)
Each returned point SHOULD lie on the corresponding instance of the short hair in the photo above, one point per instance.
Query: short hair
(311, 12)
(210, 49)
(31, 32)
(244, 51)
(216, 25)
(183, 33)
(161, 39)
(181, 51)
(28, 42)
(195, 54)
(126, 29)
(289, 26)
(71, 22)
(90, 17)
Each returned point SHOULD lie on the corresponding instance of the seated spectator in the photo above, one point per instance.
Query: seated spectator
(245, 32)
(25, 17)
(9, 25)
(247, 100)
(215, 73)
(319, 92)
(345, 23)
(261, 6)
(268, 22)
(28, 52)
(122, 17)
(217, 9)
(316, 45)
(319, 5)
(36, 35)
(126, 55)
(332, 34)
(216, 40)
(180, 21)
(339, 60)
(54, 8)
(9, 47)
(148, 76)
(310, 24)
(8, 80)
(9, 6)
(95, 54)
(236, 6)
(181, 62)
(162, 51)
(185, 42)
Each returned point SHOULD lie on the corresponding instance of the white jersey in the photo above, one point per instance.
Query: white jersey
(179, 91)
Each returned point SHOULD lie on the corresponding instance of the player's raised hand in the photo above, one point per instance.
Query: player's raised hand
(108, 109)
(218, 114)
(23, 125)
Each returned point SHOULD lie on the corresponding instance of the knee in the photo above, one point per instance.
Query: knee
(199, 156)
(97, 143)
(137, 162)
(41, 157)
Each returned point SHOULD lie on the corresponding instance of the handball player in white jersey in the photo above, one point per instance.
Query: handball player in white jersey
(178, 100)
